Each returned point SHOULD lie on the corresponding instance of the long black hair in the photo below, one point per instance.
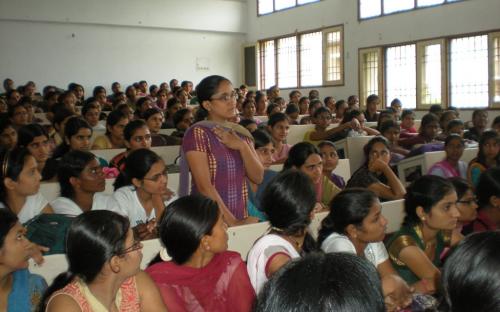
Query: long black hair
(26, 134)
(93, 238)
(424, 192)
(7, 221)
(12, 163)
(204, 91)
(72, 165)
(298, 155)
(184, 223)
(137, 165)
(485, 137)
(71, 128)
(350, 206)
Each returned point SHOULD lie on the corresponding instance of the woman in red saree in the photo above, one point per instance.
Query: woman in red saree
(202, 274)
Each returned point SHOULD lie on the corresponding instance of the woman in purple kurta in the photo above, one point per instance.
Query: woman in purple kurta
(220, 154)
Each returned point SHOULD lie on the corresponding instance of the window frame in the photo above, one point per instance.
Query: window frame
(415, 7)
(493, 33)
(324, 31)
(491, 70)
(444, 72)
(297, 5)
(380, 72)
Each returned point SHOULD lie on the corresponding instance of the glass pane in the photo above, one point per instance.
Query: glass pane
(370, 8)
(422, 3)
(311, 54)
(469, 71)
(283, 4)
(431, 75)
(306, 1)
(268, 62)
(334, 56)
(370, 66)
(265, 6)
(391, 6)
(287, 62)
(496, 69)
(401, 75)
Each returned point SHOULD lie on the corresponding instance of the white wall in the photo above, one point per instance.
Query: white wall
(457, 18)
(97, 42)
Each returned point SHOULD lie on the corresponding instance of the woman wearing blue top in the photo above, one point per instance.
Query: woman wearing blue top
(20, 291)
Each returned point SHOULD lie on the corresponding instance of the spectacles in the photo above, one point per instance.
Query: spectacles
(226, 97)
(158, 176)
(467, 202)
(324, 117)
(139, 139)
(135, 246)
(95, 171)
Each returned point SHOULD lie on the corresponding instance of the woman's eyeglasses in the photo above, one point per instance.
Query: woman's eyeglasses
(135, 246)
(225, 97)
(158, 176)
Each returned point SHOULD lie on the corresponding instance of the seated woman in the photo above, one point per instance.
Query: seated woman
(8, 134)
(408, 124)
(21, 290)
(431, 215)
(218, 153)
(278, 127)
(183, 119)
(391, 131)
(488, 195)
(173, 106)
(330, 162)
(248, 111)
(451, 166)
(466, 205)
(356, 121)
(20, 185)
(91, 112)
(428, 132)
(264, 147)
(322, 283)
(488, 156)
(113, 138)
(356, 225)
(376, 174)
(154, 120)
(305, 157)
(81, 181)
(142, 105)
(136, 136)
(340, 110)
(109, 280)
(479, 122)
(288, 202)
(193, 233)
(444, 120)
(34, 138)
(466, 289)
(321, 120)
(292, 112)
(141, 191)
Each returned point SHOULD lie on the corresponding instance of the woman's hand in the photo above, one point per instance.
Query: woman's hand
(146, 231)
(36, 252)
(377, 165)
(397, 294)
(229, 138)
(355, 125)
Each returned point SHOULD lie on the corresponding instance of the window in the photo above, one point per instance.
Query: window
(304, 60)
(270, 6)
(463, 72)
(495, 70)
(370, 73)
(401, 75)
(311, 54)
(430, 73)
(374, 8)
(287, 62)
(469, 71)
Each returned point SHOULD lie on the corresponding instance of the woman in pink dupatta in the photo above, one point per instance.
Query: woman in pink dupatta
(202, 274)
(451, 166)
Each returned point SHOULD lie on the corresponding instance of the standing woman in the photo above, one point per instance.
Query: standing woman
(20, 184)
(220, 154)
(431, 216)
(108, 280)
(288, 201)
